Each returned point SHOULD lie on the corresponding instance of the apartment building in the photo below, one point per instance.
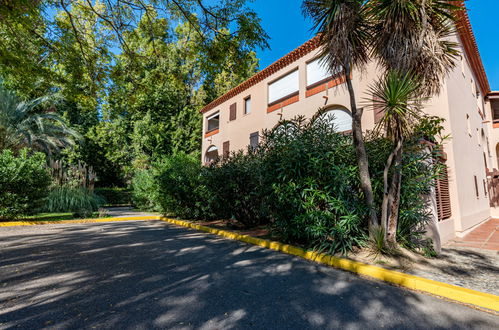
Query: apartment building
(298, 84)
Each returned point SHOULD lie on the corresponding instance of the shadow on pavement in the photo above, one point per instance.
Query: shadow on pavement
(144, 275)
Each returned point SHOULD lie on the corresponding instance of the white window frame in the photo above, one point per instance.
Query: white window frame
(274, 96)
(208, 120)
(322, 76)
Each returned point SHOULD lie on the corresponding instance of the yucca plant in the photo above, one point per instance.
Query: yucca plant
(80, 201)
(398, 96)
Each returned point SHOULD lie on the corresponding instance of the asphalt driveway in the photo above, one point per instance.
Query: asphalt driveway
(143, 275)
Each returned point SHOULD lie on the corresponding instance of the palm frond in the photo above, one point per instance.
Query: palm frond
(29, 124)
(398, 96)
(343, 29)
(412, 36)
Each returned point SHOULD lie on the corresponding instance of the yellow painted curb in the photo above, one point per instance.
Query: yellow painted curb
(41, 222)
(441, 289)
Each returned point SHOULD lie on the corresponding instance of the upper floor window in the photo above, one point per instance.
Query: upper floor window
(318, 71)
(213, 122)
(247, 105)
(284, 87)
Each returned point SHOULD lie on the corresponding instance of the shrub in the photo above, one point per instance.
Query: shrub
(115, 196)
(80, 201)
(316, 197)
(24, 182)
(181, 188)
(239, 188)
(145, 188)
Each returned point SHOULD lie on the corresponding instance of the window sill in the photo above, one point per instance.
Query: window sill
(212, 132)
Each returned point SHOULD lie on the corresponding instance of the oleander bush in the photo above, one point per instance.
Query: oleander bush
(301, 181)
(24, 182)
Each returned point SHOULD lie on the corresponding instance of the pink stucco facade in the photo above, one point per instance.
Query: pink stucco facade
(463, 103)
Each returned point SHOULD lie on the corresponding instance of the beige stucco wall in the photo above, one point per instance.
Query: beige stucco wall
(464, 151)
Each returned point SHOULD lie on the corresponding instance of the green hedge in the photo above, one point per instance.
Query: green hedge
(24, 182)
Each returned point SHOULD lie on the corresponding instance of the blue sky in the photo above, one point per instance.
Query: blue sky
(287, 28)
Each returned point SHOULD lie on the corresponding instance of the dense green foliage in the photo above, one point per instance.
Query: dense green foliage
(302, 182)
(24, 182)
(32, 124)
(80, 201)
(114, 196)
(145, 188)
(181, 188)
(132, 90)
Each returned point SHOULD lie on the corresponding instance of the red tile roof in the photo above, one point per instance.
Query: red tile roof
(267, 72)
(469, 43)
(465, 33)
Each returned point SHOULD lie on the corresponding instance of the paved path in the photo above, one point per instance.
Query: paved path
(143, 275)
(126, 211)
(485, 236)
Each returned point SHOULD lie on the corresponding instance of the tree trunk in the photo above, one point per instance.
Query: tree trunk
(387, 188)
(394, 195)
(360, 150)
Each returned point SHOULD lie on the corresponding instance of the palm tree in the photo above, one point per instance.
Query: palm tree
(406, 36)
(22, 124)
(410, 37)
(345, 36)
(398, 95)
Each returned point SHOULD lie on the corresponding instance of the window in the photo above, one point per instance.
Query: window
(318, 71)
(213, 122)
(211, 154)
(339, 118)
(233, 112)
(254, 140)
(247, 105)
(226, 148)
(284, 87)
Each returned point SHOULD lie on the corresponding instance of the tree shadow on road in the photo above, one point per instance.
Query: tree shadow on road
(152, 275)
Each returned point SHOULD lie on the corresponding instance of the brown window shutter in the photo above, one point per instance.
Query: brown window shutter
(476, 187)
(378, 110)
(254, 140)
(226, 148)
(233, 112)
(443, 194)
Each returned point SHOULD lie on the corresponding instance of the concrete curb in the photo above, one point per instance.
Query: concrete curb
(412, 282)
(41, 222)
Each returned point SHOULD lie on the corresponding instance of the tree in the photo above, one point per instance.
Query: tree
(24, 124)
(345, 36)
(412, 36)
(399, 97)
(410, 39)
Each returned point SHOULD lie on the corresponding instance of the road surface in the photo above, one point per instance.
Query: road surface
(144, 275)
